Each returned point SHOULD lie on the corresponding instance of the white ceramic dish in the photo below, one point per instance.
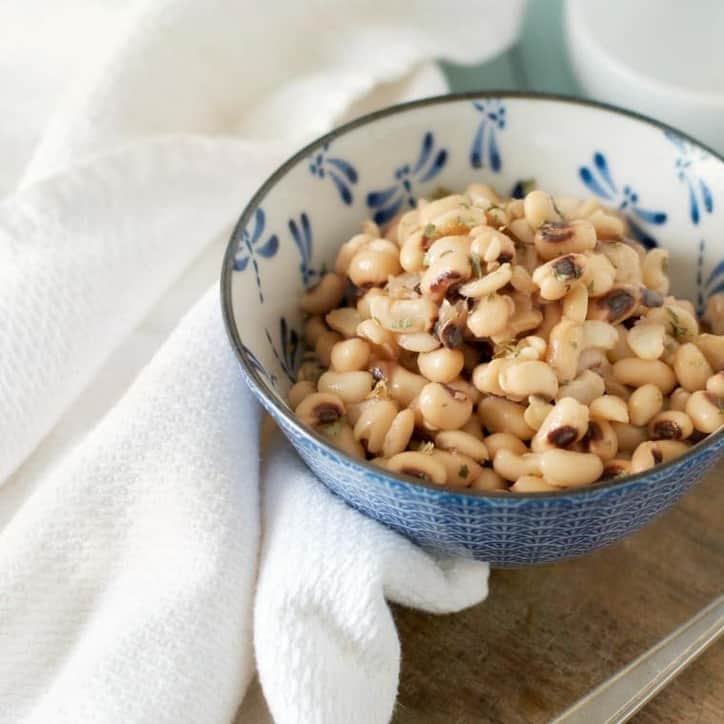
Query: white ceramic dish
(662, 58)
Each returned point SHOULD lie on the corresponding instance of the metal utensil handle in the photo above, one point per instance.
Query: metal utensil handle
(621, 696)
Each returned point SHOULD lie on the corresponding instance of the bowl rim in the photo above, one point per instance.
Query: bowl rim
(269, 397)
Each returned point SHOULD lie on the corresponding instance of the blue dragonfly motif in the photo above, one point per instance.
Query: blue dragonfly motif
(301, 232)
(700, 196)
(599, 180)
(343, 173)
(257, 365)
(289, 350)
(253, 243)
(714, 283)
(485, 151)
(386, 203)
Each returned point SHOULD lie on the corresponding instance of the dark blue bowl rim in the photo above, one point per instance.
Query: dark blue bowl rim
(261, 387)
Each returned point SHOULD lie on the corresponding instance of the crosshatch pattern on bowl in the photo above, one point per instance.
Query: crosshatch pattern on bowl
(669, 187)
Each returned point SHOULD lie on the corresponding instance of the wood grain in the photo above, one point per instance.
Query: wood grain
(547, 635)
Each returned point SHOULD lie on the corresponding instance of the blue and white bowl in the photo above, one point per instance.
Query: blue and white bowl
(670, 187)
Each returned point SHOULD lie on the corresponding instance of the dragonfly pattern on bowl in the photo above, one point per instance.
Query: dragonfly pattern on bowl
(387, 202)
(290, 348)
(484, 151)
(342, 173)
(255, 243)
(301, 232)
(598, 179)
(701, 199)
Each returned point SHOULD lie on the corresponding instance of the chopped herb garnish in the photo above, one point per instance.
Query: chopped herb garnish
(527, 185)
(475, 261)
(426, 447)
(402, 323)
(677, 330)
(429, 230)
(332, 429)
(463, 472)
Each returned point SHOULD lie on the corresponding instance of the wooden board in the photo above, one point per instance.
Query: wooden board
(547, 635)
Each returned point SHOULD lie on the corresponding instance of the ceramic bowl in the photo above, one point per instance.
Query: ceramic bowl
(671, 188)
(660, 58)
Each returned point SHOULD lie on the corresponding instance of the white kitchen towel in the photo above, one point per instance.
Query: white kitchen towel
(128, 538)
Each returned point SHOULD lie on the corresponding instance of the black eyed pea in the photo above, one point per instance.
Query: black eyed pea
(522, 281)
(482, 195)
(449, 271)
(712, 345)
(685, 304)
(691, 367)
(552, 314)
(324, 345)
(491, 245)
(462, 442)
(398, 436)
(511, 466)
(491, 315)
(671, 425)
(525, 317)
(350, 387)
(620, 350)
(373, 424)
(680, 323)
(344, 320)
(403, 315)
(412, 252)
(462, 385)
(706, 411)
(600, 439)
(348, 250)
(536, 412)
(538, 208)
(629, 436)
(314, 328)
(457, 245)
(653, 270)
(715, 384)
(504, 441)
(609, 407)
(488, 480)
(678, 399)
(575, 303)
(519, 380)
(557, 277)
(473, 427)
(646, 339)
(532, 484)
(653, 452)
(418, 465)
(616, 305)
(569, 469)
(444, 408)
(461, 470)
(565, 424)
(585, 387)
(430, 209)
(382, 341)
(625, 261)
(616, 468)
(564, 348)
(500, 415)
(557, 238)
(714, 313)
(644, 403)
(320, 408)
(407, 223)
(602, 275)
(364, 302)
(299, 391)
(372, 265)
(418, 342)
(607, 226)
(594, 359)
(521, 230)
(600, 334)
(341, 435)
(350, 355)
(401, 384)
(489, 284)
(325, 296)
(638, 372)
(614, 387)
(441, 365)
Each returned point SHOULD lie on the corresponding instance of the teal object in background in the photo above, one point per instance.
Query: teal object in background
(539, 62)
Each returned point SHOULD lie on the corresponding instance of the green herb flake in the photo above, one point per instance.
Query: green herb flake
(527, 185)
(475, 261)
(426, 447)
(429, 230)
(402, 324)
(676, 329)
(463, 472)
(332, 429)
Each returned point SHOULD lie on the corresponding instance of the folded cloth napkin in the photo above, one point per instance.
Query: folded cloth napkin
(142, 579)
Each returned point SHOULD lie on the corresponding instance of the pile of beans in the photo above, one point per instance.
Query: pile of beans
(508, 344)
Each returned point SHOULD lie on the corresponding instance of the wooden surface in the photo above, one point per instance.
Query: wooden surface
(549, 634)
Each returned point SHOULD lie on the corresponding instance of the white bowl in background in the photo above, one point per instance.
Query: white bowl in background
(664, 59)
